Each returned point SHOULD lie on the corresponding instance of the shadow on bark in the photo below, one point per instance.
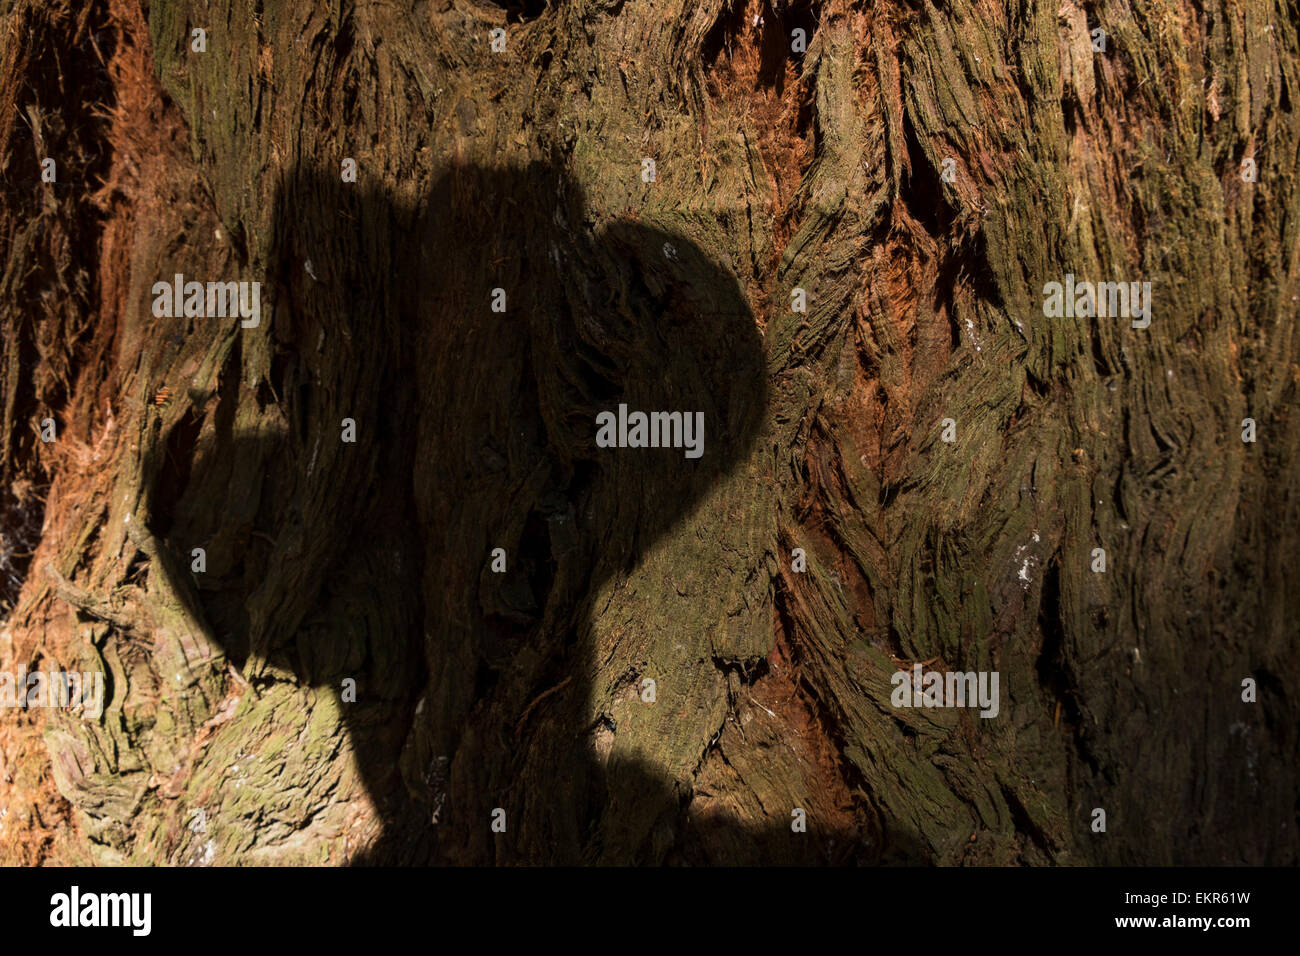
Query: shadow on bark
(372, 560)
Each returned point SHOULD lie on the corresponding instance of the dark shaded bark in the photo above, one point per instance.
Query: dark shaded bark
(226, 738)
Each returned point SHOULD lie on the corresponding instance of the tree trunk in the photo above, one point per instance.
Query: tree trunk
(835, 255)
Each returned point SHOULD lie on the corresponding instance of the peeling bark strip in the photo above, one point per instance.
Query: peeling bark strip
(854, 238)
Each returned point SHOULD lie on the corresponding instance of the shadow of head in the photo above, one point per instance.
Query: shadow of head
(467, 410)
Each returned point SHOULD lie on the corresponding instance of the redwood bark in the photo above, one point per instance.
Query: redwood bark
(920, 173)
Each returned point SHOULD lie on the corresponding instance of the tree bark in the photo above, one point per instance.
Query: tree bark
(917, 175)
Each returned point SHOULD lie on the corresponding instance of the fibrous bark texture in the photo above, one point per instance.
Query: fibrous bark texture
(827, 226)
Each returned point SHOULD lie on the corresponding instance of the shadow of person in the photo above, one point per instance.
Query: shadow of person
(428, 389)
